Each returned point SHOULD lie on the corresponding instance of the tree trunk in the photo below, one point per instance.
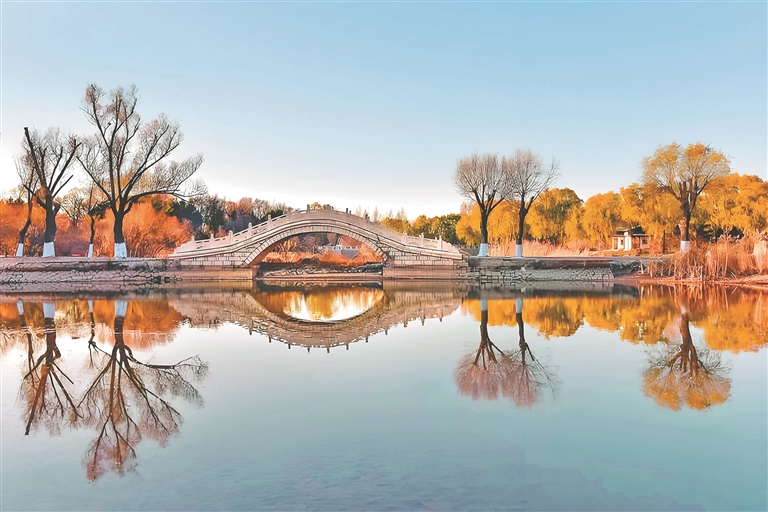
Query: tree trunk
(685, 241)
(520, 227)
(24, 230)
(50, 228)
(93, 236)
(483, 234)
(120, 249)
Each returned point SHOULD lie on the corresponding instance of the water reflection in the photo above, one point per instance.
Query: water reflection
(680, 373)
(490, 373)
(322, 304)
(114, 393)
(44, 388)
(321, 316)
(126, 401)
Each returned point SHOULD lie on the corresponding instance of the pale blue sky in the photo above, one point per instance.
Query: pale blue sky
(372, 103)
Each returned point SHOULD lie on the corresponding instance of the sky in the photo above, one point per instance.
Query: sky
(371, 104)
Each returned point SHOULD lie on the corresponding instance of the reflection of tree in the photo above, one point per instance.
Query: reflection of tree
(490, 372)
(681, 373)
(48, 400)
(126, 401)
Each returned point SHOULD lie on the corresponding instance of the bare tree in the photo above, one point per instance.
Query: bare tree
(529, 178)
(49, 158)
(684, 173)
(480, 178)
(86, 201)
(127, 158)
(74, 205)
(27, 188)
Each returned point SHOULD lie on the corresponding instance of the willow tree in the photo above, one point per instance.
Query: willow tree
(481, 178)
(127, 158)
(529, 177)
(49, 158)
(684, 173)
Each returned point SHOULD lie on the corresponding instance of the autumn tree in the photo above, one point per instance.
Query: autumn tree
(684, 173)
(652, 209)
(49, 157)
(127, 158)
(551, 217)
(736, 204)
(601, 218)
(483, 179)
(528, 178)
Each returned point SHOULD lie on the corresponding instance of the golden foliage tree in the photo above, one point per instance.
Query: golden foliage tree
(555, 216)
(684, 172)
(601, 218)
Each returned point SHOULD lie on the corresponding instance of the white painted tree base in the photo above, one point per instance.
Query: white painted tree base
(90, 306)
(90, 250)
(483, 305)
(685, 246)
(518, 305)
(483, 250)
(48, 250)
(20, 251)
(518, 251)
(20, 307)
(121, 308)
(121, 251)
(49, 309)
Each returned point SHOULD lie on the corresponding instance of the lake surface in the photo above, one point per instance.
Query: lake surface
(386, 396)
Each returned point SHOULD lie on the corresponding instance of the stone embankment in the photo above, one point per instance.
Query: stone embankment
(55, 274)
(505, 270)
(60, 273)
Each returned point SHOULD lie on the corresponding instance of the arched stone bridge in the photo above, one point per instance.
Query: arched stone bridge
(249, 247)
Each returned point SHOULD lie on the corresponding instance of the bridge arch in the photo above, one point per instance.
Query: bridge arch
(260, 250)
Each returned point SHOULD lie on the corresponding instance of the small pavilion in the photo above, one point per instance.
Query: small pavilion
(627, 239)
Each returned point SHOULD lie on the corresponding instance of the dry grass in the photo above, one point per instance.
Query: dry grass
(576, 248)
(726, 259)
(366, 255)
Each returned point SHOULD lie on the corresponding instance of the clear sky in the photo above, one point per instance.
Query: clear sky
(372, 103)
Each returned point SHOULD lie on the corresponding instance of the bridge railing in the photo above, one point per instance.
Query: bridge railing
(271, 223)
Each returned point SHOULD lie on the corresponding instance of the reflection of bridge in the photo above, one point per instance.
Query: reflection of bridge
(397, 307)
(250, 246)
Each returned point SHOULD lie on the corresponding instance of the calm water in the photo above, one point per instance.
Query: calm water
(419, 397)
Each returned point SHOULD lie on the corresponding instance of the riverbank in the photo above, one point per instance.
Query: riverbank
(52, 274)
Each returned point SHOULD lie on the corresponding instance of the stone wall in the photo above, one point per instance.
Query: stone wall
(54, 274)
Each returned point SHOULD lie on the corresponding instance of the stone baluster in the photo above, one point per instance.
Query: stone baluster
(440, 242)
(421, 236)
(250, 229)
(229, 238)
